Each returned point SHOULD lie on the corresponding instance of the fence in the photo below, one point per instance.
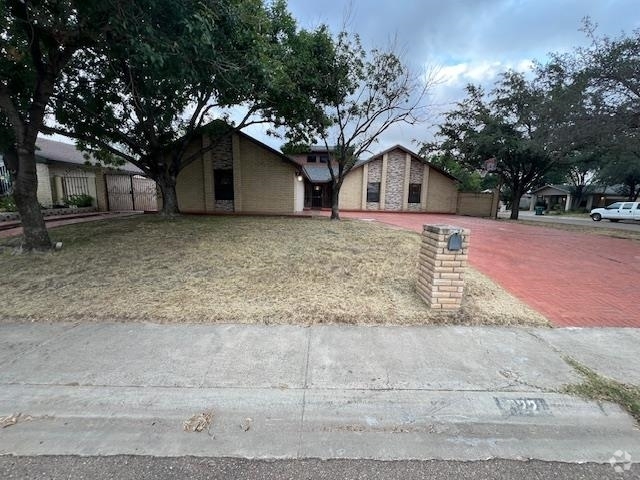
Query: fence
(477, 204)
(126, 192)
(5, 181)
(75, 186)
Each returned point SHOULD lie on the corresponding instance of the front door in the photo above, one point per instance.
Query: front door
(316, 196)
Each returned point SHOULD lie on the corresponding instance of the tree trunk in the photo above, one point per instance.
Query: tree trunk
(169, 197)
(577, 199)
(515, 203)
(25, 187)
(335, 197)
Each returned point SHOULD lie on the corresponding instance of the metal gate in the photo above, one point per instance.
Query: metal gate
(145, 195)
(125, 192)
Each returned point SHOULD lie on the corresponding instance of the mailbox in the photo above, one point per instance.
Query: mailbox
(454, 244)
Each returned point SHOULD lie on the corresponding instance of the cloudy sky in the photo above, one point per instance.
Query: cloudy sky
(470, 41)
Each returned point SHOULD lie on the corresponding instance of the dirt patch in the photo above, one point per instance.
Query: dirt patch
(237, 269)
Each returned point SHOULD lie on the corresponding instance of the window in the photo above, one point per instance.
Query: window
(614, 206)
(627, 206)
(373, 192)
(311, 159)
(324, 158)
(223, 184)
(415, 189)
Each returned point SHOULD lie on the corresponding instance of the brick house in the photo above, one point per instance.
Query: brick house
(239, 174)
(396, 179)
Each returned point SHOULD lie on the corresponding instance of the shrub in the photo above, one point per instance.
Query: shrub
(82, 200)
(7, 203)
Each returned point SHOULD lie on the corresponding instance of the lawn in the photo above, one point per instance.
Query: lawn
(236, 269)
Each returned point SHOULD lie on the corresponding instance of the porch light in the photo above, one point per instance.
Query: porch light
(299, 176)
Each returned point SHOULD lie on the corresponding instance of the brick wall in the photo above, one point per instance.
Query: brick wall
(351, 191)
(442, 193)
(267, 182)
(190, 188)
(441, 271)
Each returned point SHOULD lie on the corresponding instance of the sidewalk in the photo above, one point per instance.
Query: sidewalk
(460, 393)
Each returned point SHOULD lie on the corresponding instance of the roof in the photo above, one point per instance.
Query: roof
(566, 189)
(589, 189)
(318, 173)
(53, 151)
(360, 163)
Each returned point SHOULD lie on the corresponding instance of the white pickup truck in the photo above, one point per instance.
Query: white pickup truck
(617, 211)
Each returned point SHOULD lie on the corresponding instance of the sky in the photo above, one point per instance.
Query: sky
(467, 41)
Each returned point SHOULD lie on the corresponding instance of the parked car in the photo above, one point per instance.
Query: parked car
(617, 211)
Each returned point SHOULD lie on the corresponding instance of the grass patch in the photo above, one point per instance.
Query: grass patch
(602, 231)
(237, 269)
(597, 387)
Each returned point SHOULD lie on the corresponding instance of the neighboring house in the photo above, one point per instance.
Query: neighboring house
(561, 196)
(64, 171)
(394, 180)
(239, 174)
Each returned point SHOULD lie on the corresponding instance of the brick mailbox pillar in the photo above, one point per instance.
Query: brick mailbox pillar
(440, 270)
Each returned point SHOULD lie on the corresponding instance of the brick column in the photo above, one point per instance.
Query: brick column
(440, 270)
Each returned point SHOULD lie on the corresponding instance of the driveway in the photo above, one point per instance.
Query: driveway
(573, 279)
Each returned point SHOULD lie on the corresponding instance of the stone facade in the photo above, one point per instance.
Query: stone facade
(417, 171)
(396, 169)
(222, 154)
(375, 171)
(224, 205)
(394, 192)
(441, 271)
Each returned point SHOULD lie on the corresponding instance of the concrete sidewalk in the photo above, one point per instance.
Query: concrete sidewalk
(459, 393)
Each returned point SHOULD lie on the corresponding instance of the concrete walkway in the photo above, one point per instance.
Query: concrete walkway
(572, 278)
(460, 393)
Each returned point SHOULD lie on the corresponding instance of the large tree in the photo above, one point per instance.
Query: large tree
(611, 67)
(367, 93)
(171, 66)
(513, 124)
(603, 124)
(39, 40)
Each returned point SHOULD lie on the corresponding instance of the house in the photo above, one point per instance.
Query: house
(396, 179)
(64, 171)
(562, 197)
(238, 173)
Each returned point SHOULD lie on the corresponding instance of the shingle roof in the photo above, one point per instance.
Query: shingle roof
(54, 151)
(318, 173)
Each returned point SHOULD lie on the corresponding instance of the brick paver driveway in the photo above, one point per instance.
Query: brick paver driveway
(573, 279)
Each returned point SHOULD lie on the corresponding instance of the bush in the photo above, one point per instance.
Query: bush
(82, 200)
(7, 203)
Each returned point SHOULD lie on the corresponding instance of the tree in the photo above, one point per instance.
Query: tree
(611, 67)
(603, 124)
(39, 39)
(469, 180)
(170, 66)
(366, 94)
(512, 125)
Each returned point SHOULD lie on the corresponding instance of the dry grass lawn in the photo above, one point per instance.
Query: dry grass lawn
(236, 269)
